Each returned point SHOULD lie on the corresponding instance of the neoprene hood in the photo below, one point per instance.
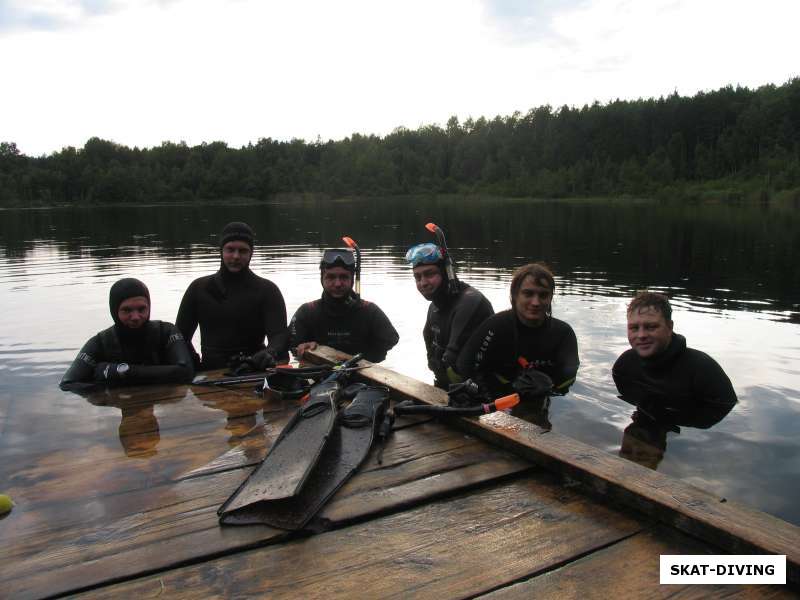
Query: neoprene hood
(237, 232)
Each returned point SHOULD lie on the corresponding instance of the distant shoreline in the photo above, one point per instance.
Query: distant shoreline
(710, 195)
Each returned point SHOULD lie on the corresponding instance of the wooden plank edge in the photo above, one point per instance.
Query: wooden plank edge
(733, 527)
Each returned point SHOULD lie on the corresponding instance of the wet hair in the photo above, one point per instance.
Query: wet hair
(540, 273)
(644, 299)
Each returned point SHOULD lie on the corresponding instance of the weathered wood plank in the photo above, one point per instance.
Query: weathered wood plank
(631, 567)
(734, 527)
(132, 462)
(59, 547)
(460, 547)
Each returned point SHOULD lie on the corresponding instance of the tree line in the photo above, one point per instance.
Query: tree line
(731, 138)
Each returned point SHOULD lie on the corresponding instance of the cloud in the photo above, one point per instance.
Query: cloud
(52, 15)
(526, 21)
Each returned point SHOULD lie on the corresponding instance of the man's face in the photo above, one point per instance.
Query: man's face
(134, 312)
(236, 256)
(337, 281)
(532, 302)
(428, 279)
(649, 333)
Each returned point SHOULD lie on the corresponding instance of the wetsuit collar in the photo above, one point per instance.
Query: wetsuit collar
(676, 346)
(442, 298)
(339, 306)
(225, 278)
(545, 324)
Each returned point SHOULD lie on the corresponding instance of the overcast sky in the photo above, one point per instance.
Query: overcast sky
(140, 72)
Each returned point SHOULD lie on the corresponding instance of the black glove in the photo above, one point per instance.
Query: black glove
(466, 394)
(532, 384)
(260, 361)
(263, 359)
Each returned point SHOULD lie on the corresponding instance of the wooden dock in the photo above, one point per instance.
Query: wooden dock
(117, 496)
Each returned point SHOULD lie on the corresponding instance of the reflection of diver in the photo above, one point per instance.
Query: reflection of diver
(241, 411)
(536, 410)
(138, 430)
(645, 440)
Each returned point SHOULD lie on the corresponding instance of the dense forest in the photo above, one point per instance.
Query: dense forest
(733, 141)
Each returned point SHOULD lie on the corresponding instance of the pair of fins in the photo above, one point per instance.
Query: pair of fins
(315, 454)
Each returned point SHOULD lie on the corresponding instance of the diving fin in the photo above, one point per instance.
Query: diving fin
(296, 451)
(292, 456)
(346, 450)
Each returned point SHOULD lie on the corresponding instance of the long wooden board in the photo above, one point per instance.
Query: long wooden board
(734, 527)
(631, 565)
(455, 548)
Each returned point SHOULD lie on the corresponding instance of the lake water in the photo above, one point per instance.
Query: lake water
(733, 273)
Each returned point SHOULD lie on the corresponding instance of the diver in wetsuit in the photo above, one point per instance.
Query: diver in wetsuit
(134, 350)
(662, 377)
(525, 337)
(340, 318)
(455, 310)
(235, 309)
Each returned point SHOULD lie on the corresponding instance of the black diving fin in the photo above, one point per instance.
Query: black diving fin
(294, 454)
(348, 447)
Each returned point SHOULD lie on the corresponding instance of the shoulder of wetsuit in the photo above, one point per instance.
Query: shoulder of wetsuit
(111, 346)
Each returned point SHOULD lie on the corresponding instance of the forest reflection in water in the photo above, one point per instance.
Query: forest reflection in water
(731, 271)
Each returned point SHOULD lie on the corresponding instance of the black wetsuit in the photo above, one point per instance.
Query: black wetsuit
(451, 320)
(679, 385)
(351, 325)
(493, 352)
(155, 354)
(235, 311)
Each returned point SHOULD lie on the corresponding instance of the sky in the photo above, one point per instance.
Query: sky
(140, 72)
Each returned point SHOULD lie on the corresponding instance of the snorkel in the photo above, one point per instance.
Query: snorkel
(452, 280)
(352, 244)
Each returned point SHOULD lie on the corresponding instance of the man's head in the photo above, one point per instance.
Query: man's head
(649, 324)
(532, 288)
(129, 303)
(428, 265)
(337, 268)
(236, 245)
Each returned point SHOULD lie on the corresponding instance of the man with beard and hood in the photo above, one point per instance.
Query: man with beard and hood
(135, 350)
(340, 318)
(667, 381)
(456, 310)
(235, 310)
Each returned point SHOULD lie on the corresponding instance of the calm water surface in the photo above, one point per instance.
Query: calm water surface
(732, 272)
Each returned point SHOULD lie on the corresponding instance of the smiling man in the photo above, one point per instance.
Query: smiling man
(525, 337)
(340, 318)
(134, 350)
(235, 310)
(661, 376)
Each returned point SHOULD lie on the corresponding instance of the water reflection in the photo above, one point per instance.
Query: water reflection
(732, 274)
(644, 440)
(138, 430)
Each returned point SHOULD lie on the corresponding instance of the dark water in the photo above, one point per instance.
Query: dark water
(732, 271)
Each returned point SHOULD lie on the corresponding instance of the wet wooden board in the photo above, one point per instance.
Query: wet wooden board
(128, 530)
(460, 547)
(37, 435)
(139, 453)
(733, 527)
(632, 565)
